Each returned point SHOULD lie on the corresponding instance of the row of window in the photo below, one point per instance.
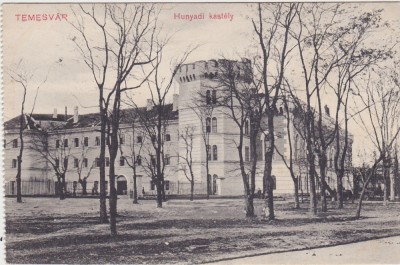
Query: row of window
(14, 143)
(153, 185)
(211, 126)
(214, 153)
(77, 143)
(138, 161)
(211, 97)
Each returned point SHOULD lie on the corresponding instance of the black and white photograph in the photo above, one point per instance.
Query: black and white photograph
(200, 133)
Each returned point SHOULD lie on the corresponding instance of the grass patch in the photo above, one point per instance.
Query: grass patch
(47, 230)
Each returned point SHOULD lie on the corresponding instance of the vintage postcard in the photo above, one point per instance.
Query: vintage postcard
(185, 133)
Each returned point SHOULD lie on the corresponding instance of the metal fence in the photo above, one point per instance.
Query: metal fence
(50, 187)
(47, 187)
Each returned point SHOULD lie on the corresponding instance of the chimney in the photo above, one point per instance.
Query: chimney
(76, 115)
(149, 104)
(55, 113)
(66, 114)
(175, 102)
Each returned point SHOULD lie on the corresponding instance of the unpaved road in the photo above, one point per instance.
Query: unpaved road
(378, 251)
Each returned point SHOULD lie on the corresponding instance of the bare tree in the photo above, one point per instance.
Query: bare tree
(82, 167)
(125, 42)
(53, 146)
(382, 103)
(272, 27)
(292, 158)
(242, 104)
(353, 57)
(156, 118)
(204, 112)
(187, 137)
(23, 78)
(133, 156)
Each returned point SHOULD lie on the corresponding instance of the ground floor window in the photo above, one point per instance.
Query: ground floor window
(166, 185)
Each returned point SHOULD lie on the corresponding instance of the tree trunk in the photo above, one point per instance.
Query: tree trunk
(339, 191)
(360, 200)
(159, 194)
(313, 194)
(249, 203)
(191, 189)
(135, 193)
(322, 171)
(84, 186)
(396, 174)
(113, 200)
(296, 194)
(18, 178)
(103, 194)
(386, 179)
(392, 186)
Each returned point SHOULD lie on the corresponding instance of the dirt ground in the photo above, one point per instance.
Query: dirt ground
(47, 230)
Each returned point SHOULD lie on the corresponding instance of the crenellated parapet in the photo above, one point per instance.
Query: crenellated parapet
(210, 69)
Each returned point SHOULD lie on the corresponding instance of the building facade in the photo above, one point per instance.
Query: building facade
(73, 142)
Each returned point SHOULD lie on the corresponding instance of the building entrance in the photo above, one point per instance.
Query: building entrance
(122, 185)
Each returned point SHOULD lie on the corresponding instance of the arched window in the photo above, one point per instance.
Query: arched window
(214, 125)
(208, 97)
(214, 97)
(208, 152)
(208, 125)
(215, 152)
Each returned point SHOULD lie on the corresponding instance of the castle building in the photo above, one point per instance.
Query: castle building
(73, 143)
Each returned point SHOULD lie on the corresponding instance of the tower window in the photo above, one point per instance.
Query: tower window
(214, 125)
(97, 141)
(208, 97)
(208, 152)
(246, 127)
(208, 125)
(214, 97)
(215, 152)
(247, 154)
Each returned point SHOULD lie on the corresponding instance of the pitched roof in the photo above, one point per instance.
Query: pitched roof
(45, 121)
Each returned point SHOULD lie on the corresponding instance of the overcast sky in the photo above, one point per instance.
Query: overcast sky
(46, 49)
